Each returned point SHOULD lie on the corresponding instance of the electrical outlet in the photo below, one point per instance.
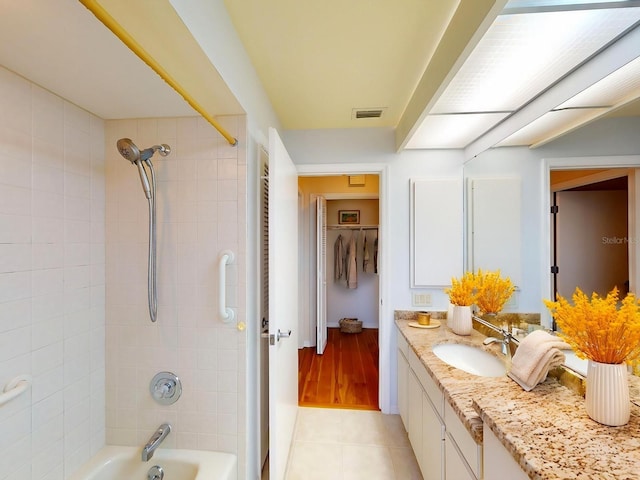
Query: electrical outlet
(421, 300)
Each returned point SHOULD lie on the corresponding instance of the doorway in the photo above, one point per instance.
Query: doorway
(345, 372)
(589, 221)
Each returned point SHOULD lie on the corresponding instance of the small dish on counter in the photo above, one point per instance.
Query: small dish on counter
(433, 324)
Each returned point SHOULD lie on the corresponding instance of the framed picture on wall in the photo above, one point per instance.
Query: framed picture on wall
(349, 217)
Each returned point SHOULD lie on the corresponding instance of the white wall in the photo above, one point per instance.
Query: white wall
(319, 151)
(524, 164)
(584, 220)
(201, 211)
(52, 273)
(376, 145)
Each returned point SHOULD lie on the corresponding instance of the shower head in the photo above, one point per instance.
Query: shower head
(131, 152)
(128, 149)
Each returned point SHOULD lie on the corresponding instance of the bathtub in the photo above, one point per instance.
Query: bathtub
(120, 463)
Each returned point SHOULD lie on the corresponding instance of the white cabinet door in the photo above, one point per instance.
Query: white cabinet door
(498, 462)
(432, 442)
(469, 450)
(435, 257)
(414, 415)
(455, 467)
(403, 374)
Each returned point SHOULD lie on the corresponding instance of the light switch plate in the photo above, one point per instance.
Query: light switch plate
(421, 300)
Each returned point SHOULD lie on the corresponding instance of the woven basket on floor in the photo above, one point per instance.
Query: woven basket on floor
(350, 325)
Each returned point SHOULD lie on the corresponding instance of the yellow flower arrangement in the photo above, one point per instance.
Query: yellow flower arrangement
(493, 291)
(463, 290)
(597, 329)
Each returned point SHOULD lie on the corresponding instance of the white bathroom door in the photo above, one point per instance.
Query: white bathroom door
(321, 275)
(283, 304)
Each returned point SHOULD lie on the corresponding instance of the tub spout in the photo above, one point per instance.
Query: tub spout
(154, 442)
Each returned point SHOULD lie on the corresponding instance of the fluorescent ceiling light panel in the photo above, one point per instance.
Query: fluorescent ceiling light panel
(567, 4)
(522, 54)
(452, 131)
(551, 125)
(621, 86)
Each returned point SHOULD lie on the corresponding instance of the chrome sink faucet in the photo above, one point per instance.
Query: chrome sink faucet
(507, 337)
(154, 442)
(505, 348)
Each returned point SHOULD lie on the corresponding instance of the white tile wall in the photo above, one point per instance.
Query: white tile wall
(52, 281)
(200, 213)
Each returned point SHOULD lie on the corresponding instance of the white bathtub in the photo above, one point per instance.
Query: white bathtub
(123, 463)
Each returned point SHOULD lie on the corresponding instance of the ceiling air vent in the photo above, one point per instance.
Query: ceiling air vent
(358, 113)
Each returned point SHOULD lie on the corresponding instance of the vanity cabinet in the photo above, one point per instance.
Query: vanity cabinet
(403, 376)
(499, 463)
(443, 447)
(457, 468)
(422, 401)
(463, 454)
(432, 453)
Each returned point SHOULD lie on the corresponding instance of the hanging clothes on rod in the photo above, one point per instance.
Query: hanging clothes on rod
(352, 262)
(338, 259)
(368, 260)
(375, 254)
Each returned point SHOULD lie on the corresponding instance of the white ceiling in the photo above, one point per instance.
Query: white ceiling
(62, 47)
(318, 61)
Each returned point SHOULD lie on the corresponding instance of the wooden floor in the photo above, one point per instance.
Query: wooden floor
(345, 376)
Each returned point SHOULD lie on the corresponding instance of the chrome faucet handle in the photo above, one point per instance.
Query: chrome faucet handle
(165, 388)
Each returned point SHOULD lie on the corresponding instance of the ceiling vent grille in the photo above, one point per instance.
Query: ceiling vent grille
(358, 113)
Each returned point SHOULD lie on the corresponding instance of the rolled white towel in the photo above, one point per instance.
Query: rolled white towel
(537, 354)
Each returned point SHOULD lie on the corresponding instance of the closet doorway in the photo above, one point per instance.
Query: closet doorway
(590, 212)
(340, 367)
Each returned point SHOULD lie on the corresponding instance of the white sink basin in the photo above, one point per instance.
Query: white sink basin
(470, 359)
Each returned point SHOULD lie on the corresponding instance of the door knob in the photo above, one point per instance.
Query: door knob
(276, 338)
(282, 334)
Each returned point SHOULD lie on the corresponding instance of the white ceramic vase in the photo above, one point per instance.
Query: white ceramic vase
(450, 314)
(461, 322)
(607, 398)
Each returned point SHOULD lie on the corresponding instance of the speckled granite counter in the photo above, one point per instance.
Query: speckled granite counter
(547, 431)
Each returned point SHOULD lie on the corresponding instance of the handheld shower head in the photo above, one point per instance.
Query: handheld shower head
(128, 149)
(131, 152)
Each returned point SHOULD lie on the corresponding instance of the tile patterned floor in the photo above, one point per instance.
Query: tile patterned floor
(342, 444)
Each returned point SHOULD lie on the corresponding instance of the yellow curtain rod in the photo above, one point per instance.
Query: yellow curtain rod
(109, 22)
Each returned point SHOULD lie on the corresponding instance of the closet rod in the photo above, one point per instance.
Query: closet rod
(351, 227)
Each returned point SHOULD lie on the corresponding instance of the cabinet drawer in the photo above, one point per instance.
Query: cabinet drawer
(431, 389)
(457, 468)
(471, 451)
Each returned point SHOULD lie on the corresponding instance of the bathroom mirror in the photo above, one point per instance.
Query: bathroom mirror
(611, 143)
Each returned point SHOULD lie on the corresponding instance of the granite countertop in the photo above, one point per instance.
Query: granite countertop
(547, 431)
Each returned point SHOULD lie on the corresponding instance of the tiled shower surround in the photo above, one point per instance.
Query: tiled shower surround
(73, 219)
(52, 204)
(200, 212)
